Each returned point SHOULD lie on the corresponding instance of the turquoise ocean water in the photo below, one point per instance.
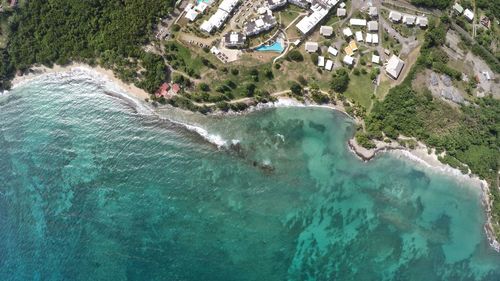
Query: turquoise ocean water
(93, 189)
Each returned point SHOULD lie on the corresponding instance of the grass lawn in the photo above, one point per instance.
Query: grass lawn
(189, 61)
(360, 90)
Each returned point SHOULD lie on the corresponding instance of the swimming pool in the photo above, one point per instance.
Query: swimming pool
(276, 47)
(206, 1)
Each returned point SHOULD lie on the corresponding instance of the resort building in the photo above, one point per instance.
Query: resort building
(216, 21)
(341, 12)
(458, 8)
(329, 65)
(311, 47)
(191, 15)
(301, 3)
(469, 15)
(357, 22)
(422, 21)
(409, 19)
(333, 51)
(326, 31)
(259, 25)
(375, 59)
(201, 7)
(321, 61)
(395, 16)
(372, 38)
(348, 60)
(353, 46)
(320, 8)
(347, 32)
(275, 4)
(372, 26)
(373, 12)
(394, 67)
(234, 40)
(359, 36)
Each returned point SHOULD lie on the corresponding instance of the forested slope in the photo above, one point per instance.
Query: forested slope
(108, 32)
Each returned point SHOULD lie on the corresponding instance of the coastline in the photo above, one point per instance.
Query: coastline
(136, 96)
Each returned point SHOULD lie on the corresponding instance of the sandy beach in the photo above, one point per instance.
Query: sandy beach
(105, 73)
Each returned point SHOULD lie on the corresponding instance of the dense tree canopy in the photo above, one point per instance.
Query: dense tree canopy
(110, 32)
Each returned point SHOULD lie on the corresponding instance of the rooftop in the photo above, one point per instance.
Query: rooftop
(394, 67)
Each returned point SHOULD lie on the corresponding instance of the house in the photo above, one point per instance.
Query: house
(395, 16)
(163, 90)
(375, 38)
(368, 38)
(394, 67)
(329, 65)
(176, 88)
(373, 12)
(333, 51)
(275, 4)
(201, 7)
(359, 36)
(348, 51)
(234, 39)
(357, 22)
(422, 22)
(348, 60)
(214, 50)
(326, 31)
(347, 32)
(342, 5)
(458, 8)
(353, 46)
(260, 25)
(372, 26)
(311, 47)
(191, 15)
(469, 15)
(375, 59)
(409, 19)
(341, 12)
(321, 61)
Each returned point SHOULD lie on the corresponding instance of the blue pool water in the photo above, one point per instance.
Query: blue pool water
(276, 47)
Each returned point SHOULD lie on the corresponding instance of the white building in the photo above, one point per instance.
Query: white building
(216, 21)
(321, 61)
(191, 15)
(201, 7)
(372, 26)
(469, 15)
(394, 67)
(347, 32)
(409, 19)
(333, 51)
(375, 59)
(348, 60)
(307, 23)
(228, 5)
(359, 36)
(311, 47)
(326, 31)
(422, 21)
(329, 65)
(341, 12)
(275, 4)
(373, 12)
(458, 8)
(395, 16)
(375, 38)
(357, 22)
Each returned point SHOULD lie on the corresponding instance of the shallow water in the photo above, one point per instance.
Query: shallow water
(91, 189)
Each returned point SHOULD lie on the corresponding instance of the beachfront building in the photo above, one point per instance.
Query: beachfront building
(348, 60)
(311, 47)
(357, 22)
(372, 26)
(422, 22)
(341, 12)
(469, 15)
(347, 32)
(333, 51)
(409, 19)
(275, 4)
(395, 16)
(216, 21)
(394, 67)
(326, 31)
(457, 8)
(260, 25)
(235, 39)
(321, 61)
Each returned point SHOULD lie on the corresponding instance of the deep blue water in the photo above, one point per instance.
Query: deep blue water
(92, 189)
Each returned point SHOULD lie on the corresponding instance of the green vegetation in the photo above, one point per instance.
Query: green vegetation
(295, 55)
(436, 4)
(110, 33)
(361, 89)
(340, 80)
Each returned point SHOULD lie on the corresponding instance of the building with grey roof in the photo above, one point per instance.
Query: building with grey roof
(259, 25)
(235, 39)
